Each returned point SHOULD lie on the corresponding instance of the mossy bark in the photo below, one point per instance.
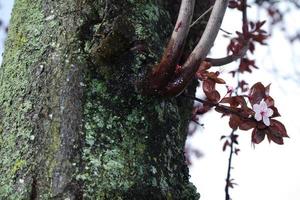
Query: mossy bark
(73, 124)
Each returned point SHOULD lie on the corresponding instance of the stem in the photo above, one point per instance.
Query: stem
(227, 196)
(245, 17)
(220, 107)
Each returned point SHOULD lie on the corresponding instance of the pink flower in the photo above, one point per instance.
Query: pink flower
(262, 112)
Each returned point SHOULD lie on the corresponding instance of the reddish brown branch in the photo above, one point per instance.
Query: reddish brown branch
(179, 83)
(162, 73)
(228, 59)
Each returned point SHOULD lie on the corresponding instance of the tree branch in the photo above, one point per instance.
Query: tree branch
(201, 50)
(162, 73)
(228, 59)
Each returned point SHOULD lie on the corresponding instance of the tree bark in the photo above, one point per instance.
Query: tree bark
(73, 124)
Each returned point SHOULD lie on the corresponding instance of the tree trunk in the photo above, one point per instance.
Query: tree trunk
(73, 124)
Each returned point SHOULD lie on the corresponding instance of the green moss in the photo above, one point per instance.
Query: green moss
(20, 40)
(18, 165)
(119, 37)
(21, 96)
(112, 148)
(133, 144)
(15, 82)
(151, 21)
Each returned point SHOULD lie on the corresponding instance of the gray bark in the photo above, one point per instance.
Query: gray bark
(73, 124)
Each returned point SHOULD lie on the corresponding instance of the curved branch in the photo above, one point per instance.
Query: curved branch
(228, 59)
(191, 65)
(162, 73)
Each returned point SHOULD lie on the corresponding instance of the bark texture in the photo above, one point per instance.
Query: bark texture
(73, 124)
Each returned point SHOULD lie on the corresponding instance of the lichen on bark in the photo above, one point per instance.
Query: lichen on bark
(72, 121)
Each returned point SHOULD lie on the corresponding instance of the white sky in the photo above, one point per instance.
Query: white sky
(270, 171)
(5, 10)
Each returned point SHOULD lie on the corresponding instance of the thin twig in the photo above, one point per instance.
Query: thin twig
(245, 17)
(201, 16)
(227, 32)
(245, 30)
(227, 196)
(220, 107)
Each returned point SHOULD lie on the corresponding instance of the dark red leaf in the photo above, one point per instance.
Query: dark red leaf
(210, 91)
(243, 85)
(275, 110)
(234, 121)
(258, 136)
(215, 78)
(234, 139)
(204, 66)
(257, 93)
(274, 137)
(277, 128)
(247, 125)
(247, 111)
(236, 151)
(269, 101)
(251, 47)
(268, 89)
(226, 110)
(246, 64)
(260, 38)
(235, 101)
(208, 86)
(225, 145)
(260, 24)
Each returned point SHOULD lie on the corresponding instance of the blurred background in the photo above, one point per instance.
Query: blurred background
(266, 171)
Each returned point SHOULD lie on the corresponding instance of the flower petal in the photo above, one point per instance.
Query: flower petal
(266, 120)
(263, 105)
(258, 116)
(256, 108)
